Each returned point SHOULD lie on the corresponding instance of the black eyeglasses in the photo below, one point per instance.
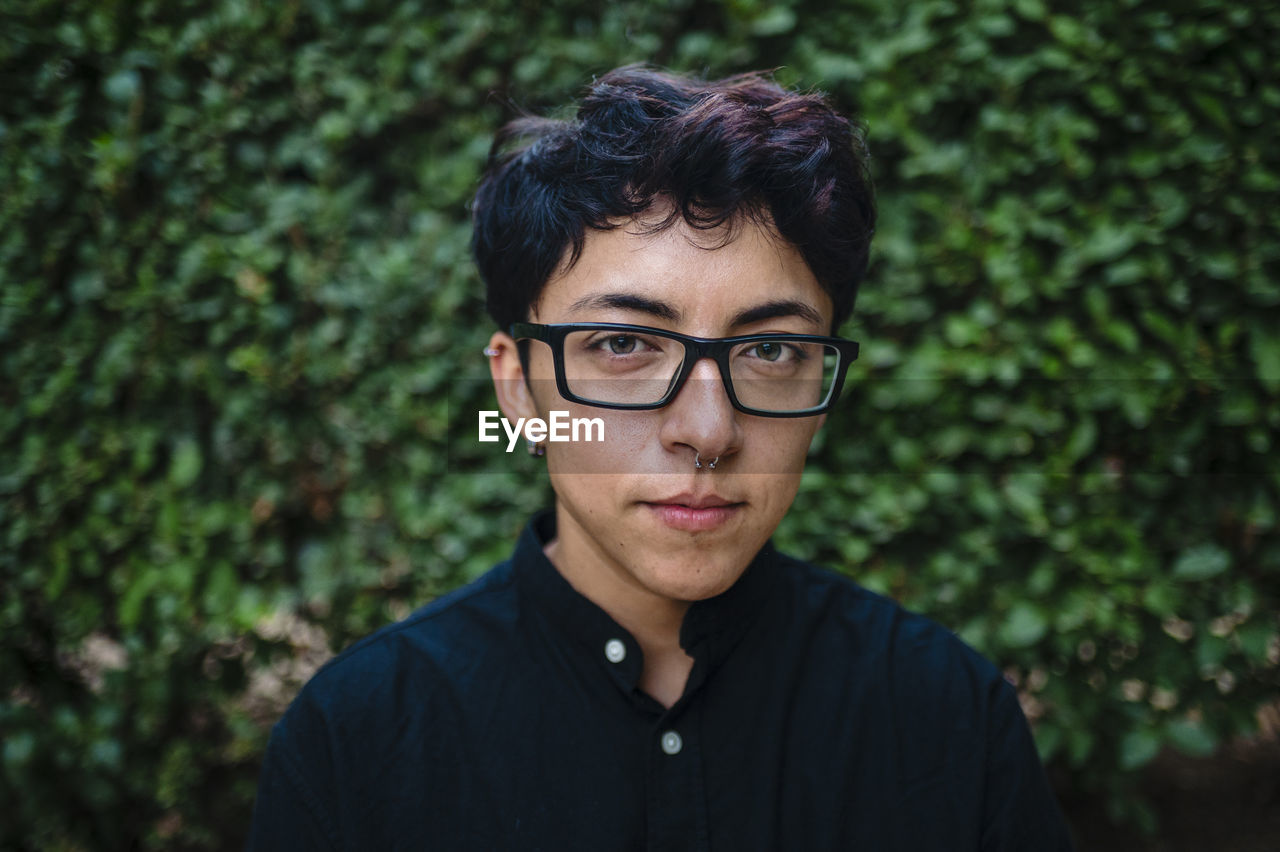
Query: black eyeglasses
(613, 365)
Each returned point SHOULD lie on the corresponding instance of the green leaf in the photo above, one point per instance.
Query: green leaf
(1264, 348)
(1162, 598)
(1024, 625)
(1138, 748)
(186, 463)
(1201, 563)
(1191, 738)
(122, 86)
(776, 21)
(1256, 637)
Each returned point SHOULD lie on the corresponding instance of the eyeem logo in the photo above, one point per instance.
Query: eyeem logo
(561, 427)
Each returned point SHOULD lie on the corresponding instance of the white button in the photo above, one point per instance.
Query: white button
(615, 651)
(671, 742)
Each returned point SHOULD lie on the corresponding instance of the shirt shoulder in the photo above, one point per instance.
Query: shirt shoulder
(397, 666)
(934, 678)
(942, 709)
(879, 624)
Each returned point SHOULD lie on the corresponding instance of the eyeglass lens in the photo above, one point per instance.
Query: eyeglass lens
(633, 368)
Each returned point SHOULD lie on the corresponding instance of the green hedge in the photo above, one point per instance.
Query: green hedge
(238, 309)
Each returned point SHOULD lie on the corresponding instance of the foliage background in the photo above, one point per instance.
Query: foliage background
(237, 304)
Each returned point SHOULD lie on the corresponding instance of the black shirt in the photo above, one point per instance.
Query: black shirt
(507, 715)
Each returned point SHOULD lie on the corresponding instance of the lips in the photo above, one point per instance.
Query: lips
(692, 501)
(694, 513)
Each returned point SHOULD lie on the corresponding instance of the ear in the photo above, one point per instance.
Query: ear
(509, 383)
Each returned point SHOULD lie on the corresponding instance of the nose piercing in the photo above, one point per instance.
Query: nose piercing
(697, 462)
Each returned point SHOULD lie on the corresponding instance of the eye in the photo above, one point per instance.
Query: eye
(768, 351)
(622, 344)
(619, 345)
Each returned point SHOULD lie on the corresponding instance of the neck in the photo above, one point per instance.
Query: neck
(653, 620)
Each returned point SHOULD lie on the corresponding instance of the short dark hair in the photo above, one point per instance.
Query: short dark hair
(715, 151)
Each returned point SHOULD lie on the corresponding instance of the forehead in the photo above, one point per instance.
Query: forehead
(702, 282)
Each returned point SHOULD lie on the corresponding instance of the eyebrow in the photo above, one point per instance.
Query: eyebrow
(627, 302)
(666, 311)
(779, 308)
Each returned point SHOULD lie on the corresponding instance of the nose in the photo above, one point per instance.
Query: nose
(701, 418)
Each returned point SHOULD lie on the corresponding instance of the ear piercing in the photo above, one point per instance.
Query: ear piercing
(490, 352)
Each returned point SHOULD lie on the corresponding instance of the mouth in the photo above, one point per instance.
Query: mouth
(694, 513)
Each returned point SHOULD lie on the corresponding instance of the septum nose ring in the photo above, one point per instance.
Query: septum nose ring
(697, 462)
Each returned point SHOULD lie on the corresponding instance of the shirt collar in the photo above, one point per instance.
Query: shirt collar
(711, 627)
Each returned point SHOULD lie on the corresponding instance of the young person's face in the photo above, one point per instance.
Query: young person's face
(635, 504)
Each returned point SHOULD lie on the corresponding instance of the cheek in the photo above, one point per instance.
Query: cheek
(777, 447)
(627, 440)
(586, 495)
(776, 492)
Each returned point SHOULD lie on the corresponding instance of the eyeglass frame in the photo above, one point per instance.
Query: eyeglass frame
(695, 349)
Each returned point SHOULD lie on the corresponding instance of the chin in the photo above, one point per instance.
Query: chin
(695, 577)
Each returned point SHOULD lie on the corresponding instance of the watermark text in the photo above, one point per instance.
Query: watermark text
(559, 428)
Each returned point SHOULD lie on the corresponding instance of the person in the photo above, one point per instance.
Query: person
(646, 671)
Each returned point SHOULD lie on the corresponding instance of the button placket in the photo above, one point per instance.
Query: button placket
(615, 650)
(676, 802)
